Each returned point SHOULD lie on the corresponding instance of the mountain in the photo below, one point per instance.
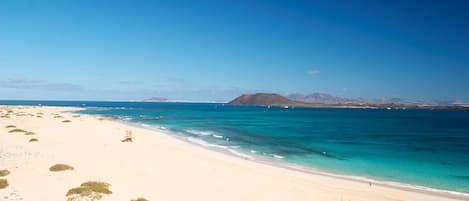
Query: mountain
(329, 101)
(322, 98)
(262, 99)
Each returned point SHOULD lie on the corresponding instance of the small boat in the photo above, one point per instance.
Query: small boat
(285, 107)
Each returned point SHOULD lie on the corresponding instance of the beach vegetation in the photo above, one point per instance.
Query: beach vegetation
(33, 140)
(97, 186)
(66, 121)
(60, 167)
(91, 190)
(17, 130)
(3, 183)
(106, 118)
(139, 199)
(30, 133)
(58, 116)
(4, 173)
(76, 116)
(10, 126)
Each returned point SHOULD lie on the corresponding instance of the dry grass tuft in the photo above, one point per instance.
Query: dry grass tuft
(107, 118)
(76, 116)
(58, 116)
(10, 126)
(30, 133)
(66, 121)
(60, 167)
(4, 173)
(91, 190)
(33, 140)
(139, 199)
(97, 186)
(17, 130)
(3, 183)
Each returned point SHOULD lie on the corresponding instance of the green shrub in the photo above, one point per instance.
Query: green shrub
(4, 173)
(92, 190)
(17, 130)
(3, 183)
(30, 133)
(33, 140)
(66, 121)
(98, 187)
(10, 126)
(60, 167)
(139, 199)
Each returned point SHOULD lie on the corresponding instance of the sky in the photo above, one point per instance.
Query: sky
(216, 50)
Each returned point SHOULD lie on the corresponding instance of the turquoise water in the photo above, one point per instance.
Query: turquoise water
(419, 147)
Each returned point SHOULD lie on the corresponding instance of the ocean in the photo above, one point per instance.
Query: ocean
(427, 148)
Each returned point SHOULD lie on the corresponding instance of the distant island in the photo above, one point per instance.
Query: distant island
(156, 99)
(328, 101)
(262, 99)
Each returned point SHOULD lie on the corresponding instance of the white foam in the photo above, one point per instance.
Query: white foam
(152, 127)
(145, 125)
(126, 118)
(217, 136)
(200, 133)
(204, 143)
(241, 154)
(277, 156)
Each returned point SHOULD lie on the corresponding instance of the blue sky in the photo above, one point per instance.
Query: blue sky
(216, 50)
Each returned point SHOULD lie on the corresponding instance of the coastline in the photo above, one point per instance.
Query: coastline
(302, 168)
(293, 183)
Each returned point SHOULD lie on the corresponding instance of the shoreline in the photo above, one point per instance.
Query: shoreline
(301, 168)
(170, 155)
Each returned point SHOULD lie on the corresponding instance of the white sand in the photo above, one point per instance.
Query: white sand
(155, 166)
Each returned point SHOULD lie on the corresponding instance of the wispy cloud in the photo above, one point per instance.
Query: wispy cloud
(123, 82)
(24, 83)
(313, 72)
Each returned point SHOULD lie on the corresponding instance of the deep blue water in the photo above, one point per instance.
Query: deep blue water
(420, 147)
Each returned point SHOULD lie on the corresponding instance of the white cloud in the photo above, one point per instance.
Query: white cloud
(313, 72)
(23, 83)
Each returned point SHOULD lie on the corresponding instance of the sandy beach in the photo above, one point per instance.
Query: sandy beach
(154, 166)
